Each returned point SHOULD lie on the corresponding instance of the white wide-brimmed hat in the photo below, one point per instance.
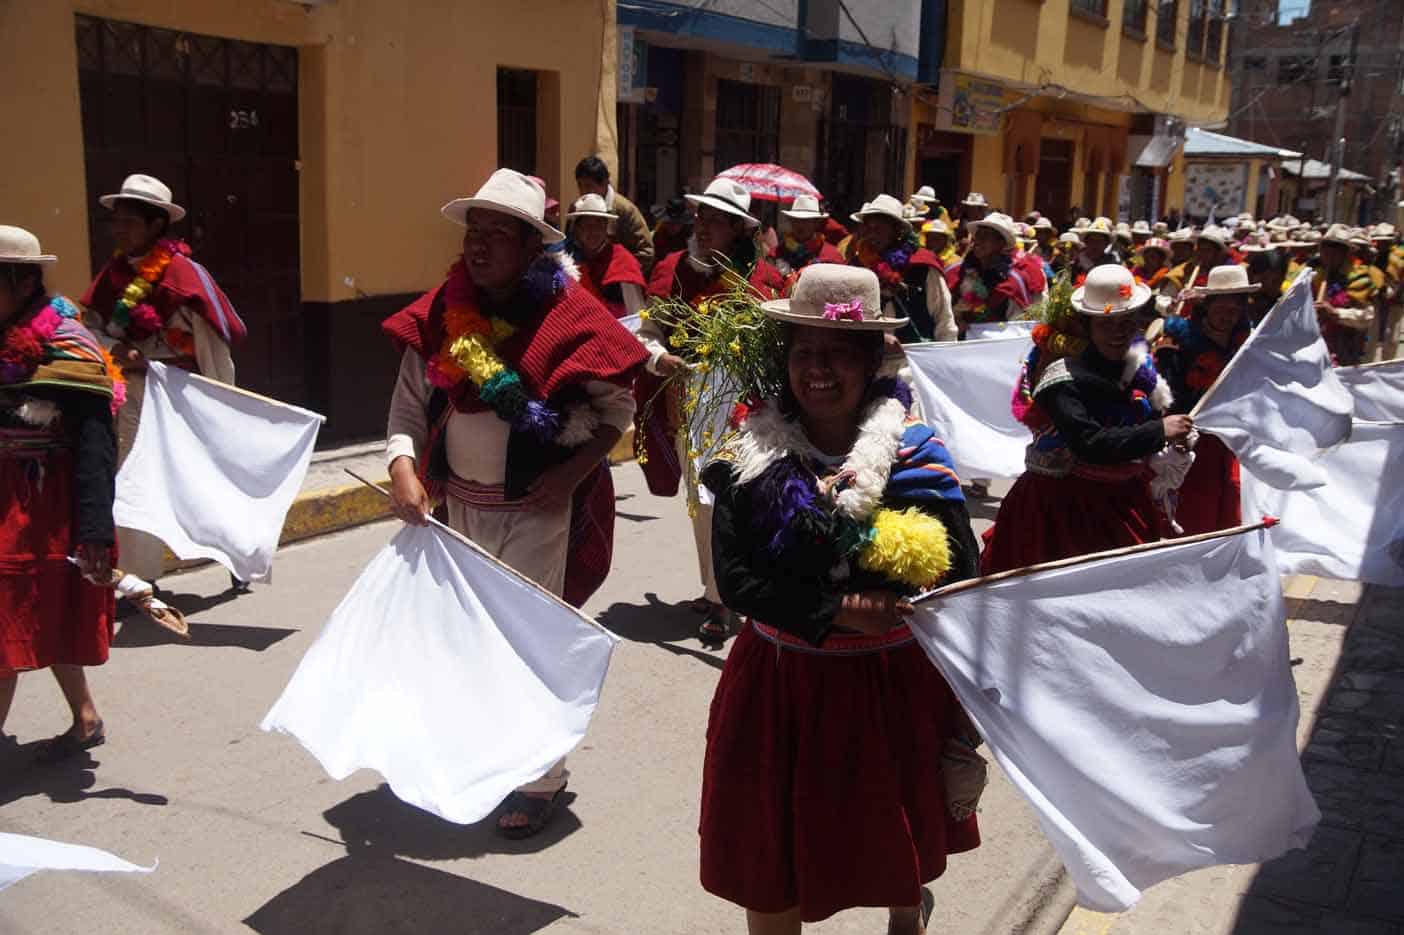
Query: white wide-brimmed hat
(1160, 228)
(1181, 235)
(1384, 231)
(591, 206)
(936, 226)
(1337, 233)
(145, 188)
(1227, 280)
(1100, 226)
(884, 206)
(804, 208)
(925, 194)
(1141, 227)
(19, 246)
(1110, 289)
(1081, 225)
(975, 200)
(729, 197)
(1070, 237)
(915, 210)
(1001, 224)
(1044, 224)
(509, 192)
(1215, 235)
(830, 295)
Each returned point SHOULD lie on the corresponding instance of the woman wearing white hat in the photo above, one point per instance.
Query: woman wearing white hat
(938, 238)
(1096, 249)
(58, 460)
(1097, 408)
(996, 281)
(514, 386)
(910, 275)
(826, 670)
(151, 301)
(1210, 250)
(607, 269)
(1345, 297)
(723, 248)
(804, 243)
(1192, 354)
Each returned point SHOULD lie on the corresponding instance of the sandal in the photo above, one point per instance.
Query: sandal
(539, 813)
(717, 627)
(67, 745)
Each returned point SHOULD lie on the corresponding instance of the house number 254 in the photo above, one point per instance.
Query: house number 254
(243, 119)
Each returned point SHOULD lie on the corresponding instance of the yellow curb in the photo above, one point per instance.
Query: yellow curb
(623, 449)
(1086, 922)
(1299, 587)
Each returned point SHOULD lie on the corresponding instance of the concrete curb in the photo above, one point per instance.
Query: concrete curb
(318, 512)
(1042, 902)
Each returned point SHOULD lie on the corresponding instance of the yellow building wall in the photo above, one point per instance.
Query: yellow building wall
(398, 116)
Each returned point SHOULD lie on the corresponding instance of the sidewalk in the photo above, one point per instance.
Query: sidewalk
(1350, 640)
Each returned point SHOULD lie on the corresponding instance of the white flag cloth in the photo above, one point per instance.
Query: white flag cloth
(632, 323)
(1279, 403)
(21, 855)
(707, 436)
(1378, 390)
(447, 674)
(1020, 328)
(965, 389)
(1143, 705)
(213, 470)
(1353, 527)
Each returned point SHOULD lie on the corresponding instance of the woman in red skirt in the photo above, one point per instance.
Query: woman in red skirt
(58, 455)
(1193, 353)
(1092, 397)
(829, 780)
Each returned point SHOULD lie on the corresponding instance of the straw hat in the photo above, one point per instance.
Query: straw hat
(148, 189)
(1227, 280)
(1110, 289)
(1215, 235)
(591, 206)
(508, 192)
(1156, 243)
(20, 247)
(829, 295)
(884, 206)
(729, 197)
(926, 194)
(804, 208)
(1001, 224)
(975, 200)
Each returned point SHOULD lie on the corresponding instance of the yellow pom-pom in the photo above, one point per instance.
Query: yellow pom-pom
(472, 353)
(908, 546)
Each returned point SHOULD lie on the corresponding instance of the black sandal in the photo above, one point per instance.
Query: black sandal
(717, 627)
(539, 813)
(66, 746)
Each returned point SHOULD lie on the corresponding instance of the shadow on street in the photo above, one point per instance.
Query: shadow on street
(62, 783)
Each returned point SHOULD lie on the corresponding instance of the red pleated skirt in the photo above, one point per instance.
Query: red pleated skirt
(822, 787)
(1209, 497)
(1047, 518)
(49, 614)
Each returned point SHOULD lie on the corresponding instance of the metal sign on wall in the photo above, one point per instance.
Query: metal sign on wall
(1215, 188)
(633, 67)
(971, 105)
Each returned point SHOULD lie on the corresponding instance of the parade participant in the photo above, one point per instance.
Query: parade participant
(996, 281)
(608, 271)
(1191, 355)
(926, 197)
(1181, 246)
(1096, 249)
(674, 228)
(824, 485)
(1389, 259)
(1345, 297)
(1267, 269)
(804, 242)
(629, 228)
(723, 249)
(1092, 397)
(514, 386)
(1047, 236)
(910, 275)
(972, 209)
(1122, 243)
(1066, 250)
(834, 232)
(1210, 250)
(1153, 266)
(936, 237)
(58, 459)
(152, 301)
(1140, 233)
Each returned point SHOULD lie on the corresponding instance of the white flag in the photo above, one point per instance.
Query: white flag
(632, 323)
(1143, 705)
(1019, 328)
(1378, 390)
(965, 390)
(21, 855)
(1353, 527)
(1279, 403)
(447, 674)
(213, 470)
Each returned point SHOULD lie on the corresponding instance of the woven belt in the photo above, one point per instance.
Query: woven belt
(489, 498)
(19, 443)
(838, 644)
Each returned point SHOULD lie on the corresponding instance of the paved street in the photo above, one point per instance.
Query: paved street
(251, 834)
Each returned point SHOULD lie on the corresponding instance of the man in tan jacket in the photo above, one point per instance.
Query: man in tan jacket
(629, 228)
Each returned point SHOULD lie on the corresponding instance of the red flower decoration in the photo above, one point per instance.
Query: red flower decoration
(1124, 290)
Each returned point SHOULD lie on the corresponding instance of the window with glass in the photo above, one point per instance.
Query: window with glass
(1133, 16)
(1091, 7)
(1214, 32)
(1194, 38)
(1167, 15)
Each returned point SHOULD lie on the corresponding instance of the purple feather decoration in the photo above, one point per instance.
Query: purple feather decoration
(784, 491)
(539, 420)
(893, 388)
(899, 256)
(544, 278)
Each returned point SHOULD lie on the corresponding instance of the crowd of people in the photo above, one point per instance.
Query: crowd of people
(831, 505)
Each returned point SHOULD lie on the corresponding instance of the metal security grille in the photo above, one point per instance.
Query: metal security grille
(217, 120)
(748, 123)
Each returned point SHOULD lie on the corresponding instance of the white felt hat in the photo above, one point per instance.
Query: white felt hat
(591, 206)
(885, 206)
(509, 192)
(804, 208)
(148, 189)
(727, 196)
(1001, 224)
(925, 194)
(1110, 289)
(19, 246)
(1227, 280)
(830, 295)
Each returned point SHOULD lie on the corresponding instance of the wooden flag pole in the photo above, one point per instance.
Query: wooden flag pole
(252, 395)
(1267, 522)
(1377, 363)
(484, 553)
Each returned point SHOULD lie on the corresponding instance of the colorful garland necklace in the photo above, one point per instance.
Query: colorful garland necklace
(133, 317)
(890, 266)
(469, 349)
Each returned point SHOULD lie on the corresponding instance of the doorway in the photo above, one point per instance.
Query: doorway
(1053, 188)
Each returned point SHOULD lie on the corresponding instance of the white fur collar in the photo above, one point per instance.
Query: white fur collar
(566, 262)
(767, 436)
